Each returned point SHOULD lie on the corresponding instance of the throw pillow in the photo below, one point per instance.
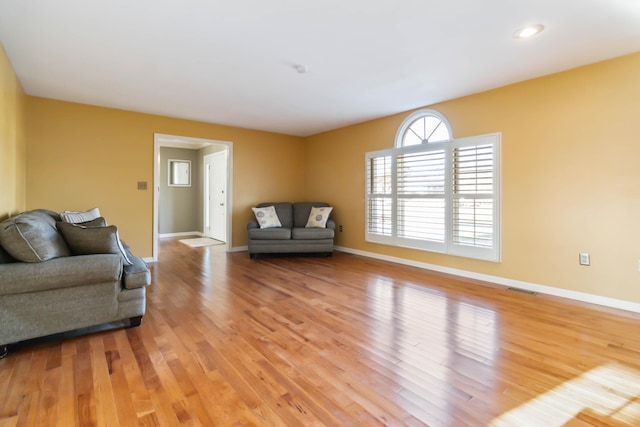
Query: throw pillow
(77, 217)
(5, 258)
(98, 222)
(267, 217)
(32, 237)
(93, 240)
(318, 217)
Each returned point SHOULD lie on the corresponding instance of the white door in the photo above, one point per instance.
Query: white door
(215, 197)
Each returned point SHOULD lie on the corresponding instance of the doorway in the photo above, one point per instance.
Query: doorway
(221, 171)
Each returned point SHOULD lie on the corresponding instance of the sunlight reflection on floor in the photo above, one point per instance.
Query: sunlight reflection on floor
(611, 391)
(434, 340)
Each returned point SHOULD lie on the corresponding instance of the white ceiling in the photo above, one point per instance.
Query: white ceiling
(232, 62)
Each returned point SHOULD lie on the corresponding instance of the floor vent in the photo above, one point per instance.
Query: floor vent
(522, 291)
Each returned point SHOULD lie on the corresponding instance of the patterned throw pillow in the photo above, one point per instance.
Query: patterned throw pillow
(267, 217)
(318, 217)
(77, 217)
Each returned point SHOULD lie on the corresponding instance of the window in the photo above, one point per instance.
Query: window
(422, 127)
(435, 193)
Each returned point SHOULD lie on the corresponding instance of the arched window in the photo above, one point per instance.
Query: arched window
(422, 127)
(436, 193)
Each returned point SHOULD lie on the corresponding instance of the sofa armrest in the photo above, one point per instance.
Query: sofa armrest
(136, 275)
(252, 224)
(64, 272)
(331, 224)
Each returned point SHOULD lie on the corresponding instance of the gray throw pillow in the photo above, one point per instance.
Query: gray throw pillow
(98, 222)
(93, 240)
(5, 258)
(32, 237)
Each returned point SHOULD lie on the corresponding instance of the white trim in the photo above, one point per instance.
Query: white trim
(184, 233)
(239, 249)
(229, 201)
(164, 140)
(543, 289)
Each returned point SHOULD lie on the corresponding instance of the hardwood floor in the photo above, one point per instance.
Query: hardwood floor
(346, 340)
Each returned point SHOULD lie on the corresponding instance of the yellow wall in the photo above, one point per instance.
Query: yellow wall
(83, 156)
(571, 177)
(570, 171)
(12, 140)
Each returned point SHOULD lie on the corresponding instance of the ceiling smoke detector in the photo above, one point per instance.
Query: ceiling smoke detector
(301, 69)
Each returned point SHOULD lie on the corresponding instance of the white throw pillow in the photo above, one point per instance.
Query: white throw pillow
(267, 217)
(76, 217)
(318, 217)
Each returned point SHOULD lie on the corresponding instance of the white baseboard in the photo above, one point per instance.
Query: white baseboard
(543, 289)
(186, 233)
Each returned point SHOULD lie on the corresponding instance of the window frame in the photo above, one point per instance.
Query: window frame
(493, 253)
(416, 115)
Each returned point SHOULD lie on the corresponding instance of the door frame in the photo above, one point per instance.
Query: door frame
(165, 140)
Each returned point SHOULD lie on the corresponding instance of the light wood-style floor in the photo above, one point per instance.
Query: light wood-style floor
(346, 340)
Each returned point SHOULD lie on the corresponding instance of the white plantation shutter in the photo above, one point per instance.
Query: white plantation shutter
(475, 200)
(441, 196)
(421, 196)
(379, 196)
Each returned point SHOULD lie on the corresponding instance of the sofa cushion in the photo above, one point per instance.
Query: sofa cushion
(305, 233)
(270, 234)
(284, 211)
(77, 217)
(267, 217)
(137, 274)
(65, 272)
(318, 217)
(32, 237)
(301, 211)
(93, 240)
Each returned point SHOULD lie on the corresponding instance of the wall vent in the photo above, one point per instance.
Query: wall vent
(522, 291)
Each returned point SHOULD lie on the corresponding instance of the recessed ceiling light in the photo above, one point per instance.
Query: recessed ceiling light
(528, 31)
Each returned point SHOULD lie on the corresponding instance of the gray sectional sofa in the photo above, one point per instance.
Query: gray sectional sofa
(57, 277)
(292, 236)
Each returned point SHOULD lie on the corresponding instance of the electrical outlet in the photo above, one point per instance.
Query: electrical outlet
(585, 259)
(340, 229)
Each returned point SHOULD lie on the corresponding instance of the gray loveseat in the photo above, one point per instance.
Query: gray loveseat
(49, 284)
(293, 236)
